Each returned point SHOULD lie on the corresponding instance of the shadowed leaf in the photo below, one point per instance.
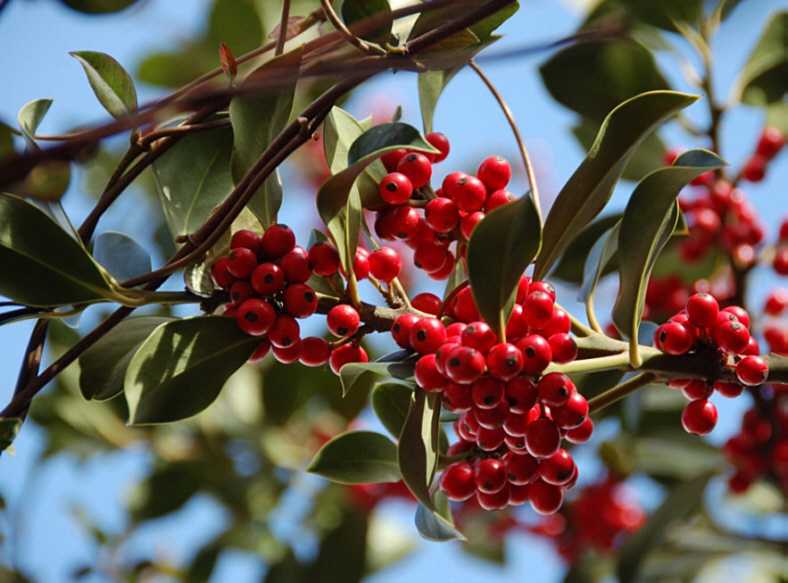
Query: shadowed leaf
(357, 457)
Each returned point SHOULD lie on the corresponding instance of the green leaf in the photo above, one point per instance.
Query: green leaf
(167, 489)
(341, 130)
(9, 429)
(182, 366)
(121, 255)
(665, 13)
(41, 264)
(110, 82)
(571, 265)
(764, 79)
(391, 365)
(428, 21)
(47, 181)
(6, 141)
(339, 203)
(103, 365)
(31, 115)
(98, 6)
(437, 525)
(418, 445)
(193, 177)
(500, 249)
(599, 257)
(257, 118)
(356, 11)
(647, 224)
(357, 457)
(588, 190)
(684, 500)
(593, 77)
(391, 402)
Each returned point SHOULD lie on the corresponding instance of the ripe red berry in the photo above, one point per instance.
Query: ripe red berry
(545, 498)
(755, 168)
(442, 215)
(752, 370)
(401, 328)
(345, 354)
(771, 142)
(262, 349)
(456, 397)
(267, 279)
(324, 258)
(255, 317)
(780, 262)
(776, 302)
(582, 432)
(732, 336)
(430, 256)
(542, 438)
(489, 475)
(479, 335)
(296, 266)
(740, 314)
(464, 306)
(395, 188)
(674, 338)
(558, 469)
(427, 335)
(469, 193)
(299, 300)
(495, 172)
(490, 435)
(468, 223)
(441, 142)
(520, 468)
(343, 320)
(403, 221)
(504, 361)
(555, 388)
(285, 331)
(729, 390)
(241, 291)
(571, 414)
(464, 364)
(248, 239)
(241, 262)
(427, 375)
(487, 392)
(429, 303)
(497, 198)
(496, 501)
(288, 354)
(391, 159)
(699, 417)
(538, 308)
(315, 351)
(458, 482)
(564, 348)
(385, 264)
(536, 353)
(278, 240)
(521, 394)
(697, 389)
(416, 167)
(221, 276)
(702, 310)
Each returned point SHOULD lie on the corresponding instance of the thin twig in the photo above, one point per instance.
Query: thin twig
(620, 391)
(282, 38)
(186, 128)
(334, 19)
(529, 169)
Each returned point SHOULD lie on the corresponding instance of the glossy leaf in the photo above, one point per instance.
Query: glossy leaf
(593, 77)
(501, 247)
(418, 445)
(257, 118)
(341, 130)
(356, 11)
(682, 501)
(41, 264)
(428, 21)
(9, 428)
(182, 366)
(193, 178)
(764, 79)
(103, 365)
(437, 525)
(571, 266)
(647, 224)
(31, 115)
(110, 82)
(391, 402)
(121, 255)
(339, 204)
(390, 365)
(588, 190)
(357, 457)
(599, 257)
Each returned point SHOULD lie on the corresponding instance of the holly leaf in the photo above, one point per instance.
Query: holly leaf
(393, 365)
(419, 445)
(31, 115)
(356, 11)
(764, 79)
(391, 403)
(121, 256)
(110, 82)
(357, 457)
(437, 525)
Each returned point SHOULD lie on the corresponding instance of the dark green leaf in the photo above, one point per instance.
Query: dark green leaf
(203, 564)
(391, 402)
(684, 500)
(665, 13)
(182, 366)
(30, 116)
(764, 79)
(121, 255)
(356, 11)
(9, 428)
(341, 130)
(357, 457)
(437, 525)
(257, 119)
(167, 489)
(110, 82)
(428, 21)
(103, 365)
(343, 550)
(593, 77)
(647, 223)
(391, 365)
(418, 445)
(588, 190)
(6, 141)
(571, 266)
(98, 6)
(193, 178)
(500, 249)
(235, 23)
(599, 257)
(41, 264)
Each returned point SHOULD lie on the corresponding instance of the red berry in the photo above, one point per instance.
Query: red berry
(699, 417)
(262, 349)
(487, 392)
(545, 498)
(289, 354)
(564, 348)
(464, 306)
(732, 337)
(441, 142)
(417, 167)
(385, 264)
(521, 394)
(248, 239)
(755, 168)
(445, 271)
(520, 469)
(299, 300)
(490, 435)
(221, 276)
(573, 413)
(752, 370)
(401, 328)
(255, 317)
(776, 302)
(458, 482)
(740, 314)
(427, 375)
(504, 361)
(536, 353)
(296, 266)
(267, 279)
(674, 338)
(555, 388)
(498, 198)
(324, 258)
(729, 390)
(395, 188)
(702, 310)
(497, 501)
(403, 221)
(479, 335)
(697, 389)
(391, 159)
(345, 354)
(430, 256)
(780, 262)
(495, 172)
(542, 438)
(278, 240)
(770, 142)
(315, 351)
(427, 335)
(241, 262)
(538, 308)
(582, 432)
(429, 303)
(442, 215)
(469, 193)
(464, 364)
(241, 291)
(343, 320)
(558, 469)
(285, 331)
(468, 223)
(489, 475)
(456, 397)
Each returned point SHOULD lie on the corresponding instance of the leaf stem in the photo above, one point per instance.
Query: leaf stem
(620, 391)
(282, 38)
(334, 19)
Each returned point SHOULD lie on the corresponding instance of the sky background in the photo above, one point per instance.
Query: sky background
(35, 39)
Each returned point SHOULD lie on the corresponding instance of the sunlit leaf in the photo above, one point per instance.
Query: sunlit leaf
(391, 402)
(357, 457)
(764, 79)
(182, 366)
(418, 445)
(390, 365)
(110, 82)
(31, 115)
(121, 255)
(41, 264)
(501, 247)
(437, 525)
(103, 365)
(588, 190)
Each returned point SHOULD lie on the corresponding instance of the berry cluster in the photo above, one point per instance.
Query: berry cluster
(512, 417)
(769, 145)
(780, 261)
(775, 330)
(450, 213)
(722, 334)
(760, 449)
